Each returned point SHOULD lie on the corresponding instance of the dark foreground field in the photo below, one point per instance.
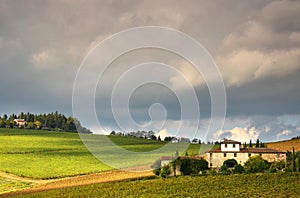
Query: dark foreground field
(246, 185)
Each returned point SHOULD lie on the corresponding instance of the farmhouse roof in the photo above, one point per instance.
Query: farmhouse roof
(166, 158)
(19, 120)
(230, 142)
(248, 150)
(260, 150)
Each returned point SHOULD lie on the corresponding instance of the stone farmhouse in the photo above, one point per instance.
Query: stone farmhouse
(231, 149)
(20, 122)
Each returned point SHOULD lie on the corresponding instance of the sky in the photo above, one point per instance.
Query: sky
(255, 45)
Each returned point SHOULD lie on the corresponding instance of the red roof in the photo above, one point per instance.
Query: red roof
(165, 158)
(230, 142)
(248, 150)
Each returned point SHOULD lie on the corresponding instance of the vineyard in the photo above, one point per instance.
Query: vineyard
(47, 154)
(245, 185)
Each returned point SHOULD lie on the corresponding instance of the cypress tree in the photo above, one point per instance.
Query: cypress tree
(257, 143)
(294, 159)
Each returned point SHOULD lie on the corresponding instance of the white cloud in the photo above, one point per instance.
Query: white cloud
(46, 59)
(188, 75)
(238, 133)
(164, 133)
(267, 46)
(284, 133)
(40, 57)
(244, 65)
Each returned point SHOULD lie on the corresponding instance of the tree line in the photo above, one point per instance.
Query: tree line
(52, 121)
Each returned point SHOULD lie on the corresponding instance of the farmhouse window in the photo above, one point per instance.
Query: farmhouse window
(260, 154)
(211, 164)
(211, 154)
(235, 154)
(249, 154)
(225, 155)
(225, 145)
(233, 145)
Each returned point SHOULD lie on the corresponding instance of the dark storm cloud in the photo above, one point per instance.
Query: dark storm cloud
(255, 43)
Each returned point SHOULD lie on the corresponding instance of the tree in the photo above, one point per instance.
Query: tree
(257, 143)
(245, 145)
(298, 157)
(159, 138)
(238, 168)
(256, 164)
(176, 153)
(113, 133)
(195, 140)
(174, 164)
(192, 166)
(2, 124)
(168, 139)
(294, 160)
(250, 144)
(30, 125)
(224, 169)
(277, 166)
(165, 171)
(156, 167)
(37, 124)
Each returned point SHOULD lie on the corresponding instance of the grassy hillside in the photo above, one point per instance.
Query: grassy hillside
(44, 154)
(251, 185)
(286, 145)
(48, 154)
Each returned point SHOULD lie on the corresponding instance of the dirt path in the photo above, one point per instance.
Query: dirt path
(23, 179)
(109, 176)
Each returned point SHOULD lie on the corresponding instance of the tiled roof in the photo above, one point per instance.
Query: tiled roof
(248, 150)
(260, 150)
(230, 142)
(165, 158)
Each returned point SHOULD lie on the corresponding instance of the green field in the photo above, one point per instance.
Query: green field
(251, 185)
(48, 154)
(7, 185)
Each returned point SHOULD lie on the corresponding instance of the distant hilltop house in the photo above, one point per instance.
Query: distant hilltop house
(20, 122)
(180, 139)
(231, 149)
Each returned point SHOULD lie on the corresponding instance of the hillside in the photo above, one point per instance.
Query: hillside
(48, 154)
(286, 145)
(245, 185)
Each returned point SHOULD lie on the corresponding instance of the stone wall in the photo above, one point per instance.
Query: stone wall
(216, 159)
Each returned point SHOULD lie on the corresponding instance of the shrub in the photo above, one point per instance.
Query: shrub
(288, 170)
(238, 168)
(156, 171)
(256, 164)
(225, 170)
(213, 172)
(165, 171)
(276, 166)
(192, 166)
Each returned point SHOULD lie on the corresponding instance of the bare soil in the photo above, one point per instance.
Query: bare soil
(43, 185)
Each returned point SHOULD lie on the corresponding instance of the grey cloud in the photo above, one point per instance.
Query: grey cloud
(43, 43)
